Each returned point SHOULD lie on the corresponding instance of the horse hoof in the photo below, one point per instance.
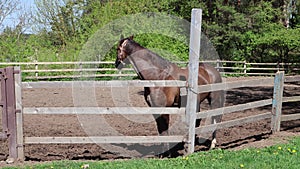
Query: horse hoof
(213, 144)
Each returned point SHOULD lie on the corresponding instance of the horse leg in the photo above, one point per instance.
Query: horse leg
(147, 96)
(216, 100)
(162, 122)
(158, 99)
(161, 97)
(198, 121)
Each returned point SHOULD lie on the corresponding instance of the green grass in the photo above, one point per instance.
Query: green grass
(279, 156)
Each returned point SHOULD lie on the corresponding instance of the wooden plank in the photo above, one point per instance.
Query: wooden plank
(11, 112)
(112, 83)
(236, 84)
(104, 140)
(233, 68)
(19, 114)
(261, 74)
(45, 84)
(3, 101)
(229, 61)
(292, 78)
(193, 67)
(103, 110)
(111, 63)
(277, 101)
(290, 117)
(291, 99)
(242, 73)
(259, 68)
(235, 108)
(78, 76)
(75, 70)
(264, 64)
(227, 124)
(146, 83)
(54, 63)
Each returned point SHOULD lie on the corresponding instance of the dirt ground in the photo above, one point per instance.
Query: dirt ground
(255, 134)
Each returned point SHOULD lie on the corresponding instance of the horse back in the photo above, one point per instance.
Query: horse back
(203, 75)
(213, 75)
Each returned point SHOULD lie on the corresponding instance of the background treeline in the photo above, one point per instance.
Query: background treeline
(251, 30)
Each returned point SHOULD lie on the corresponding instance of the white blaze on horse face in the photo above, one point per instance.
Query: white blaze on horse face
(124, 44)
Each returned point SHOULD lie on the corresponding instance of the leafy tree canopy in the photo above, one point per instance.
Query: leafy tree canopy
(251, 30)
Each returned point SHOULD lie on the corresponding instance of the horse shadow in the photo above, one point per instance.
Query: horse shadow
(157, 150)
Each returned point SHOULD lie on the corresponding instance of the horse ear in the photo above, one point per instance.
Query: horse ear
(131, 37)
(121, 37)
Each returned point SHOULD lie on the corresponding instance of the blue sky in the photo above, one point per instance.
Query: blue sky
(12, 20)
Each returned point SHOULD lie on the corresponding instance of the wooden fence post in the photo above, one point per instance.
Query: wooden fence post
(19, 113)
(277, 101)
(3, 133)
(36, 70)
(245, 67)
(11, 114)
(80, 68)
(194, 52)
(218, 65)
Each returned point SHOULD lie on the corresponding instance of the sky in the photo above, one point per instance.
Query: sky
(12, 20)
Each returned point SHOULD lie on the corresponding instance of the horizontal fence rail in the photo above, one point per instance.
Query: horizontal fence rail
(149, 83)
(292, 78)
(103, 110)
(235, 108)
(231, 123)
(103, 69)
(104, 140)
(235, 84)
(289, 117)
(113, 83)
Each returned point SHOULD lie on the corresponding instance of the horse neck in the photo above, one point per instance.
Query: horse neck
(150, 66)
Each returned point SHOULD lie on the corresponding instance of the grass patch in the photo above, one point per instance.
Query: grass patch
(278, 156)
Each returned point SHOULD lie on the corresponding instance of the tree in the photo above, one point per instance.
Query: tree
(7, 7)
(251, 30)
(268, 39)
(276, 45)
(61, 17)
(13, 36)
(294, 9)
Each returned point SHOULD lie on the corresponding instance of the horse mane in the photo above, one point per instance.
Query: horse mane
(153, 57)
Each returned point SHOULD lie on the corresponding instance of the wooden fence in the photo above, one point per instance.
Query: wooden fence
(10, 111)
(107, 71)
(274, 113)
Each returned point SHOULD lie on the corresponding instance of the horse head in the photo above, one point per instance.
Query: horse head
(123, 51)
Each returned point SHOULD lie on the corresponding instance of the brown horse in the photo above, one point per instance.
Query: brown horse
(150, 66)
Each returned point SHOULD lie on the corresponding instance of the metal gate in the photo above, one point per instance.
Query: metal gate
(9, 110)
